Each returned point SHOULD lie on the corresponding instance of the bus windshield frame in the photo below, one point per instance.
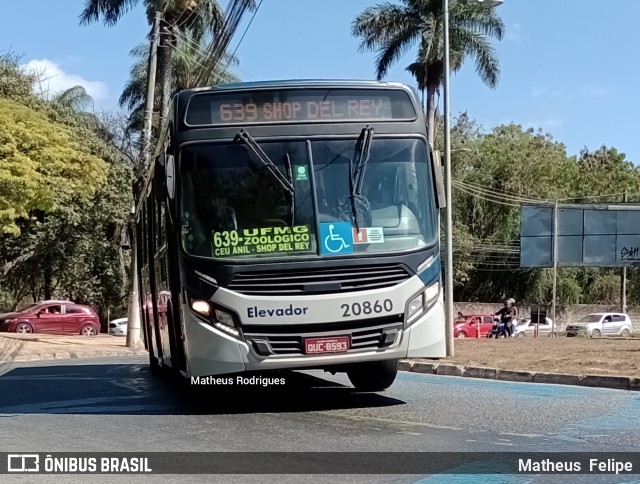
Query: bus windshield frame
(234, 206)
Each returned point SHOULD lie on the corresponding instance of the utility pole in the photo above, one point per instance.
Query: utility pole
(167, 41)
(134, 334)
(555, 269)
(623, 278)
(448, 241)
(151, 88)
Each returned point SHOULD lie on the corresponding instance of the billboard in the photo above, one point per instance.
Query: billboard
(601, 235)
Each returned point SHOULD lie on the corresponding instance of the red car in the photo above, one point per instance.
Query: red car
(467, 326)
(52, 317)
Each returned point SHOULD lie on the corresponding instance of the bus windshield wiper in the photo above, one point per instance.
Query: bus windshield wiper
(285, 182)
(357, 166)
(247, 139)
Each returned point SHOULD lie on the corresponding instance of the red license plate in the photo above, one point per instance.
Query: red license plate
(337, 344)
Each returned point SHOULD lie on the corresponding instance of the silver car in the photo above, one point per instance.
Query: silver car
(601, 324)
(526, 328)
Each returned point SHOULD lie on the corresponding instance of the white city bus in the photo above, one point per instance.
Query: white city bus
(292, 225)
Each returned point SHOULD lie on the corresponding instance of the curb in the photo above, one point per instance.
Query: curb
(598, 381)
(71, 355)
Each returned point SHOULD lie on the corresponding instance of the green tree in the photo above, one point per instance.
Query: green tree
(495, 173)
(15, 84)
(41, 165)
(604, 175)
(64, 175)
(392, 29)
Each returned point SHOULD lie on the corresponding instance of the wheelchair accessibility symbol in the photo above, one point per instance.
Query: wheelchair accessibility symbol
(337, 238)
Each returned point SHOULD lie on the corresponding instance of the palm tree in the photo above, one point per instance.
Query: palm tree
(74, 98)
(392, 29)
(194, 16)
(188, 59)
(197, 18)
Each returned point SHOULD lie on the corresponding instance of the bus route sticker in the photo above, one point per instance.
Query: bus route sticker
(264, 240)
(336, 238)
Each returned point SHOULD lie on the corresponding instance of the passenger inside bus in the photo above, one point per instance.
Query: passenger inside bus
(223, 215)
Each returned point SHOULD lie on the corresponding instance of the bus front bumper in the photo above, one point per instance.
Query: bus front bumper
(213, 352)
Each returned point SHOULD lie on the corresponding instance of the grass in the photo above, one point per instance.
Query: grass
(578, 356)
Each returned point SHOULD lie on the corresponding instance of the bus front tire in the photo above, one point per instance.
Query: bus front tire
(374, 376)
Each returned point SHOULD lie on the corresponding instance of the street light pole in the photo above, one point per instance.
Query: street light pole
(448, 242)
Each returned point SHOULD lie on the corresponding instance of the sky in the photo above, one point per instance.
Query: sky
(568, 67)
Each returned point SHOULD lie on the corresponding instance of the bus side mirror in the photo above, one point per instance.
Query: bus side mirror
(170, 171)
(438, 179)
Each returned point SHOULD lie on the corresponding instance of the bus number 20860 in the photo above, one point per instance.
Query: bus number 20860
(367, 307)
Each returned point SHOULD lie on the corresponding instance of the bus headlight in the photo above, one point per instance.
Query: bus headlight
(421, 302)
(218, 318)
(201, 307)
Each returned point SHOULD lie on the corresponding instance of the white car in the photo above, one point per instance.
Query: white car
(601, 324)
(118, 327)
(526, 328)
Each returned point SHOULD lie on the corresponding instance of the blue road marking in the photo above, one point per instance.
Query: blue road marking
(525, 390)
(492, 473)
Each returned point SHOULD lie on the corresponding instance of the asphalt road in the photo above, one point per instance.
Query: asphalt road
(116, 404)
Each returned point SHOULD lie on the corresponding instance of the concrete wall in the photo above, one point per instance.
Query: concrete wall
(564, 315)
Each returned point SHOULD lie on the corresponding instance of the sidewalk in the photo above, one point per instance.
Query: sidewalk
(33, 347)
(429, 367)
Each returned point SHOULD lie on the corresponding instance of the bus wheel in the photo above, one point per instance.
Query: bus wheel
(373, 377)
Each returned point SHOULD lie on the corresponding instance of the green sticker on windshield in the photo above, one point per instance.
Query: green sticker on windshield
(301, 173)
(263, 240)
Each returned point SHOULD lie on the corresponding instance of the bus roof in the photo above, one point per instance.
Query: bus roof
(302, 83)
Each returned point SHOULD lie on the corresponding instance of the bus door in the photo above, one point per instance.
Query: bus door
(148, 281)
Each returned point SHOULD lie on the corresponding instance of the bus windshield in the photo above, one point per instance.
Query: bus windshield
(298, 198)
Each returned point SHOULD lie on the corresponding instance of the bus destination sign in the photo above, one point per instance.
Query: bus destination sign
(300, 111)
(319, 105)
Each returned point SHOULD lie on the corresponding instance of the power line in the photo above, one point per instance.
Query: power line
(497, 193)
(191, 44)
(179, 49)
(468, 192)
(184, 22)
(242, 38)
(232, 19)
(200, 49)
